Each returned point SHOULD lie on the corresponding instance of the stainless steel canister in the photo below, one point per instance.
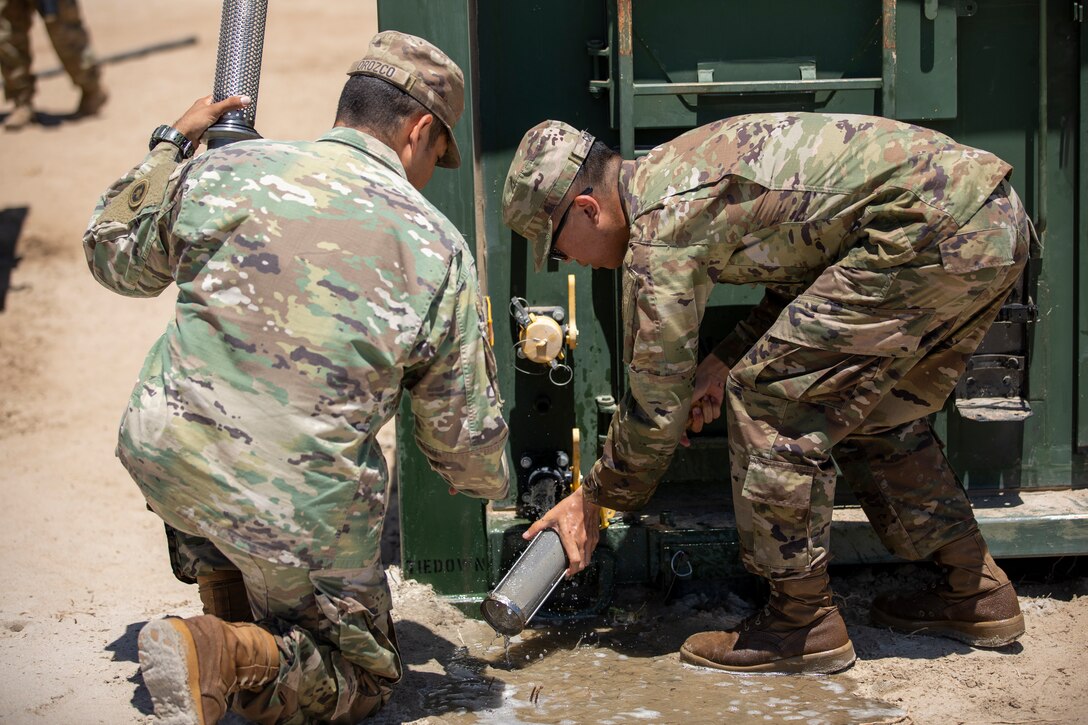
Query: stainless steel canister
(532, 578)
(238, 68)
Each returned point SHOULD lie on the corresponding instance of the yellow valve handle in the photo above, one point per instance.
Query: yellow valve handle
(572, 326)
(576, 471)
(490, 323)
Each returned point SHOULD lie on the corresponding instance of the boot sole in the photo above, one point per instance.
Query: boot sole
(818, 663)
(997, 633)
(169, 666)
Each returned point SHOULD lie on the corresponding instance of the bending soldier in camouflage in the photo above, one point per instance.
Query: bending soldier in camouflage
(886, 251)
(73, 47)
(315, 284)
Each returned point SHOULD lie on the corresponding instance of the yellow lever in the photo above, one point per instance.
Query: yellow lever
(490, 323)
(572, 325)
(576, 472)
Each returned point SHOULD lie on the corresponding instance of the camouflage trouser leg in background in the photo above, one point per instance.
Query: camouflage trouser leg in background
(69, 38)
(15, 18)
(72, 43)
(854, 365)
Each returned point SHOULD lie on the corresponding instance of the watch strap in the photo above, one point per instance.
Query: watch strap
(171, 135)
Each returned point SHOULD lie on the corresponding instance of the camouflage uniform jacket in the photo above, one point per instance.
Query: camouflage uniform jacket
(771, 199)
(314, 284)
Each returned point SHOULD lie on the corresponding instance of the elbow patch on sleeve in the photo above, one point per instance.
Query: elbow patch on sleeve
(147, 190)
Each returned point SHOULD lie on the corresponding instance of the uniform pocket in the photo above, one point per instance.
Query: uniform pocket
(970, 251)
(789, 371)
(824, 324)
(354, 604)
(780, 495)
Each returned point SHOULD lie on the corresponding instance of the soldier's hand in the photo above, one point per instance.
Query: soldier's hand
(203, 113)
(708, 394)
(577, 522)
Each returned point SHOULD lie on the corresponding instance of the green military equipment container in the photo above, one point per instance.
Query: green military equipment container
(1008, 76)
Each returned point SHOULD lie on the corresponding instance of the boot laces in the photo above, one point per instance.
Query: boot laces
(755, 620)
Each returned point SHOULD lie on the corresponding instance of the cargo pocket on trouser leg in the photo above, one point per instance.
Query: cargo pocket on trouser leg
(357, 602)
(789, 525)
(340, 663)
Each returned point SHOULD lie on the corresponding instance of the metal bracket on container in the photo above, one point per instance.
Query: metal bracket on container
(1019, 314)
(991, 389)
(598, 49)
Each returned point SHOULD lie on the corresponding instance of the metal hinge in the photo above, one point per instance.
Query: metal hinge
(1078, 12)
(1018, 313)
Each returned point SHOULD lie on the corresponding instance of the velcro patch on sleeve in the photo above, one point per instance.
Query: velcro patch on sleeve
(145, 191)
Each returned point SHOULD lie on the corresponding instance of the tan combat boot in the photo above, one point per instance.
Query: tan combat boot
(21, 115)
(223, 593)
(92, 99)
(975, 603)
(799, 631)
(192, 666)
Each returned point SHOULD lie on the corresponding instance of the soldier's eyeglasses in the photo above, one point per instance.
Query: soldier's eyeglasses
(554, 253)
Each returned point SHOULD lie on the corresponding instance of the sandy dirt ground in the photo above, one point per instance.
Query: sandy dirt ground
(84, 565)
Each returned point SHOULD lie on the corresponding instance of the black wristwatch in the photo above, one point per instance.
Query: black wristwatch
(171, 135)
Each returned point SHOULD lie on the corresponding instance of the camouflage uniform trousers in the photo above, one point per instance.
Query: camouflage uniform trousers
(886, 353)
(193, 556)
(338, 651)
(66, 32)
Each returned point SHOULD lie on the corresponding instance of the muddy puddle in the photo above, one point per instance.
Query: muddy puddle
(621, 674)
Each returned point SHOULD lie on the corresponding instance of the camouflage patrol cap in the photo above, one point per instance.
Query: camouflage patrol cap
(544, 167)
(422, 71)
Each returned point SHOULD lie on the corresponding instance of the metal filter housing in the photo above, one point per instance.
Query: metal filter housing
(238, 68)
(527, 585)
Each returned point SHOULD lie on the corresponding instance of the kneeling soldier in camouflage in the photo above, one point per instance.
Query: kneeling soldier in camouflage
(315, 284)
(886, 251)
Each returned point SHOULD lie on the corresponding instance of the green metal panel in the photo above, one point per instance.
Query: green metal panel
(925, 78)
(1081, 245)
(1001, 112)
(443, 538)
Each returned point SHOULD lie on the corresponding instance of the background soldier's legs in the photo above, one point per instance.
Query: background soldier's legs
(15, 50)
(72, 43)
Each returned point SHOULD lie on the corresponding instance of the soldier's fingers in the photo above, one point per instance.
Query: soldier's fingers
(537, 526)
(696, 418)
(713, 410)
(709, 411)
(575, 555)
(229, 104)
(202, 102)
